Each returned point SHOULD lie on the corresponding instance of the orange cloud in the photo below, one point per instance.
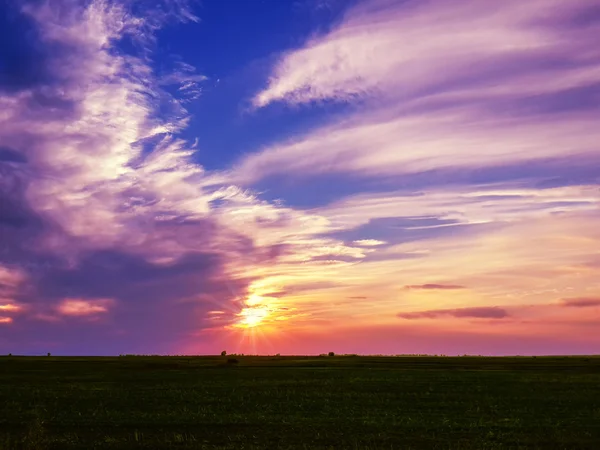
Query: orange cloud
(10, 307)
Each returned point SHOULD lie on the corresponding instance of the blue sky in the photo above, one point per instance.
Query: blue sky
(270, 176)
(234, 45)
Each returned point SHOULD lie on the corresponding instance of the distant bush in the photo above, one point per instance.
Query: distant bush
(49, 354)
(331, 354)
(232, 361)
(223, 353)
(10, 354)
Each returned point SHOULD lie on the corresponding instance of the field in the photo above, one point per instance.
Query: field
(299, 402)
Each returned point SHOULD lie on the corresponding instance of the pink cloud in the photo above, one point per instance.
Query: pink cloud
(368, 242)
(83, 307)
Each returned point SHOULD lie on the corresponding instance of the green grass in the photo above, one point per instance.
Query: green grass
(299, 402)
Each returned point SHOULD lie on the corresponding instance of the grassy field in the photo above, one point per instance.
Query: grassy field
(299, 402)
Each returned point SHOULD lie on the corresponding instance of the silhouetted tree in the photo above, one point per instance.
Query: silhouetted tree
(331, 354)
(223, 353)
(48, 353)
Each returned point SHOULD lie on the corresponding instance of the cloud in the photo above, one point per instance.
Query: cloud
(105, 215)
(368, 242)
(10, 307)
(385, 143)
(436, 211)
(11, 282)
(103, 212)
(83, 307)
(101, 200)
(482, 312)
(433, 286)
(441, 88)
(383, 47)
(187, 80)
(580, 302)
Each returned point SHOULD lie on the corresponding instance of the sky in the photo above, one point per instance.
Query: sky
(299, 177)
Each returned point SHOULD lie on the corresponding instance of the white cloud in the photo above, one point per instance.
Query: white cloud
(369, 242)
(444, 86)
(387, 143)
(385, 47)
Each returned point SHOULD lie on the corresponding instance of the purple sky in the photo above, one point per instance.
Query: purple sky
(371, 176)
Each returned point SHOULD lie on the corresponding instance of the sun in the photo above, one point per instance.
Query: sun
(252, 317)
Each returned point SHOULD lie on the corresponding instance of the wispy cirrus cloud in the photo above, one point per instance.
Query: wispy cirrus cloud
(387, 48)
(434, 286)
(442, 88)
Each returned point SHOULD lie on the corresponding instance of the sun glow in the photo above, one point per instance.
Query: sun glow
(251, 317)
(254, 300)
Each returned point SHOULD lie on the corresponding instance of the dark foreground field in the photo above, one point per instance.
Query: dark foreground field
(289, 402)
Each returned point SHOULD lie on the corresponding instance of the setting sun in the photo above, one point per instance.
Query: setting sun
(251, 317)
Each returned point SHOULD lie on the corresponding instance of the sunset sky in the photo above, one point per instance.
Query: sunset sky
(300, 176)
